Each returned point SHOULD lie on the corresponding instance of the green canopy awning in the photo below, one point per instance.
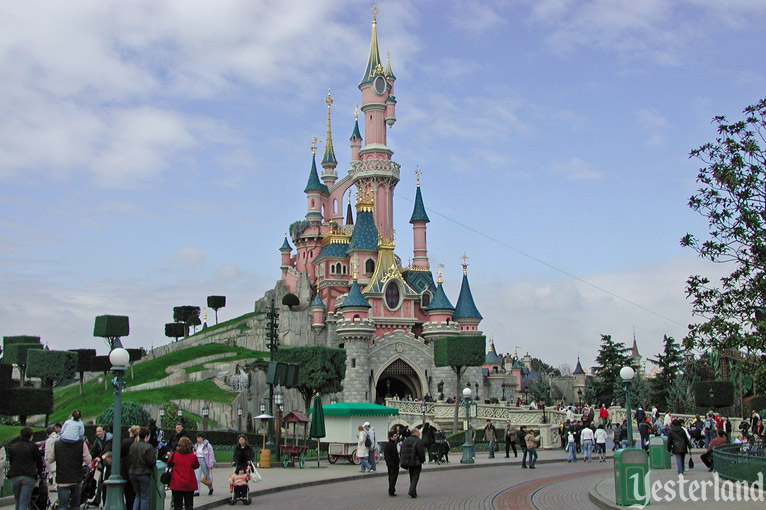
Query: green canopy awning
(358, 409)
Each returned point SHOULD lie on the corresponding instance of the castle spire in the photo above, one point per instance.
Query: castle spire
(328, 161)
(389, 73)
(373, 61)
(419, 219)
(465, 309)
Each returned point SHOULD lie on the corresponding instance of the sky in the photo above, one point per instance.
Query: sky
(153, 153)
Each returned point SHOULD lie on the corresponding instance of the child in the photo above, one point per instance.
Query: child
(239, 483)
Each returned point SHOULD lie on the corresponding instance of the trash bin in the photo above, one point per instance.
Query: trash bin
(659, 456)
(157, 491)
(631, 468)
(265, 459)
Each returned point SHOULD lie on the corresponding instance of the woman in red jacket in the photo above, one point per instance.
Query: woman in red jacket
(183, 481)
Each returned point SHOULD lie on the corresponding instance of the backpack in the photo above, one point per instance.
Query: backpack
(367, 441)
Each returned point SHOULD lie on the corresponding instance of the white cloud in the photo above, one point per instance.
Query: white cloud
(189, 256)
(475, 17)
(575, 169)
(654, 124)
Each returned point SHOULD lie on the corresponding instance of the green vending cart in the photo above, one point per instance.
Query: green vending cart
(631, 470)
(659, 456)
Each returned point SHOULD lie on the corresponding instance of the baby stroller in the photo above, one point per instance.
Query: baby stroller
(40, 499)
(242, 492)
(89, 494)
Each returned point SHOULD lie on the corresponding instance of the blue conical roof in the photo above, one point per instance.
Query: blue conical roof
(355, 298)
(578, 369)
(314, 184)
(317, 301)
(286, 246)
(492, 358)
(373, 61)
(419, 211)
(356, 135)
(440, 300)
(365, 235)
(465, 308)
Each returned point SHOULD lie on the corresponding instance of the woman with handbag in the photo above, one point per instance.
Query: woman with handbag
(183, 481)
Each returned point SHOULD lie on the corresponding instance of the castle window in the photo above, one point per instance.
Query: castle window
(343, 267)
(353, 362)
(393, 296)
(369, 266)
(425, 299)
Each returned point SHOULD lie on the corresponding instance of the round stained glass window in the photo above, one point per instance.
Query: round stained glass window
(392, 295)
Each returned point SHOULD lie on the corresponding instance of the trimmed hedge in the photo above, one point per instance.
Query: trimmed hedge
(83, 358)
(175, 329)
(111, 326)
(26, 401)
(459, 351)
(722, 391)
(17, 353)
(5, 375)
(51, 366)
(100, 364)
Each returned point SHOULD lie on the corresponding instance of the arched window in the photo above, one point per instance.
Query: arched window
(425, 300)
(343, 269)
(393, 296)
(369, 266)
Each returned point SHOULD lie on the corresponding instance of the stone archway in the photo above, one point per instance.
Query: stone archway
(400, 379)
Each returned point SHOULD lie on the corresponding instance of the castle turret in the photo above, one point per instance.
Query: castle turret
(317, 313)
(466, 314)
(314, 190)
(391, 100)
(419, 219)
(363, 244)
(439, 313)
(329, 176)
(356, 137)
(286, 250)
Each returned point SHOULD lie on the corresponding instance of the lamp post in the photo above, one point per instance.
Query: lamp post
(180, 413)
(205, 415)
(279, 399)
(626, 374)
(119, 358)
(239, 418)
(162, 417)
(423, 409)
(333, 399)
(467, 458)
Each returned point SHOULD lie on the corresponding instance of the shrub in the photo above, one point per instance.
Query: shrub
(132, 414)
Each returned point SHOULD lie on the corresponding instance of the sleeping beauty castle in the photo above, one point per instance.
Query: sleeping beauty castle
(353, 290)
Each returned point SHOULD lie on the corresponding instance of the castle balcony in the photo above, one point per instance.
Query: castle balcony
(355, 327)
(368, 168)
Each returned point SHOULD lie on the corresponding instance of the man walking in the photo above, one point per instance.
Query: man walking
(70, 457)
(490, 434)
(412, 457)
(373, 443)
(510, 439)
(391, 454)
(533, 442)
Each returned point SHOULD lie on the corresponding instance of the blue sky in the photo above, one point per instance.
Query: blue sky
(153, 153)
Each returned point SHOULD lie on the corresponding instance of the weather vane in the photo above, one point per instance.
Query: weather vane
(314, 143)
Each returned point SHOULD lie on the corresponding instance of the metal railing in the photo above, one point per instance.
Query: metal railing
(740, 462)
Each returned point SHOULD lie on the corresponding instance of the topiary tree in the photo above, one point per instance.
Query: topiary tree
(132, 414)
(186, 315)
(103, 365)
(15, 349)
(84, 357)
(459, 352)
(23, 402)
(52, 367)
(6, 372)
(216, 302)
(175, 330)
(322, 369)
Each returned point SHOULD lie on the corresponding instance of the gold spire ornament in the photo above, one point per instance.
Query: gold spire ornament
(314, 143)
(356, 113)
(465, 263)
(417, 175)
(439, 274)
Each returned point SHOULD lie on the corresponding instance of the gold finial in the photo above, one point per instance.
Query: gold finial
(374, 12)
(356, 113)
(355, 266)
(318, 282)
(417, 175)
(439, 274)
(465, 263)
(314, 143)
(328, 99)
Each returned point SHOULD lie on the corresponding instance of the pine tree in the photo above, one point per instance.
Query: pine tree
(669, 362)
(612, 356)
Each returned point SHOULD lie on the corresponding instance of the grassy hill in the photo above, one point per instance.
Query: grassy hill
(95, 399)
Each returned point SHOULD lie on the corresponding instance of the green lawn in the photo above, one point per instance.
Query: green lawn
(95, 398)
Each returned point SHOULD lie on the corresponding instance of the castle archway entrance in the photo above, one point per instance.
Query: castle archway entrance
(400, 380)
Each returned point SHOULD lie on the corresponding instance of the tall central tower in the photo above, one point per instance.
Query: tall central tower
(374, 172)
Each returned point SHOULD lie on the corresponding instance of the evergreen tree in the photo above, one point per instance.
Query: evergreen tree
(640, 393)
(669, 362)
(612, 356)
(680, 398)
(540, 389)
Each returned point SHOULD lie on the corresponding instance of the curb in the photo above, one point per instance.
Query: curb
(599, 500)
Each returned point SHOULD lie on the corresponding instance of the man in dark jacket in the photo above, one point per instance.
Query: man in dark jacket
(412, 457)
(70, 457)
(391, 454)
(26, 466)
(141, 460)
(678, 444)
(521, 436)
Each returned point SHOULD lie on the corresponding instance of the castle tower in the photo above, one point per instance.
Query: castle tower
(466, 314)
(355, 330)
(439, 313)
(375, 171)
(329, 176)
(419, 219)
(285, 250)
(356, 137)
(363, 244)
(317, 313)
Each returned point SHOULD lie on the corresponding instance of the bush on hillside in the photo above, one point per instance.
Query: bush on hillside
(132, 414)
